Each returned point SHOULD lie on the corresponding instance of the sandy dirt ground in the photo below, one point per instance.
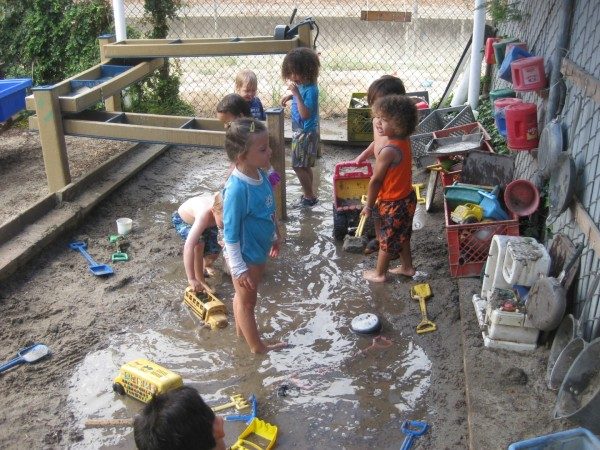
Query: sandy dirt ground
(56, 301)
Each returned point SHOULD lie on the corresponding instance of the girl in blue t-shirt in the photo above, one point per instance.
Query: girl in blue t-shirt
(249, 225)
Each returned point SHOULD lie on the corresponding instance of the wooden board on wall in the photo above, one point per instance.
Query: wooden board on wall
(385, 16)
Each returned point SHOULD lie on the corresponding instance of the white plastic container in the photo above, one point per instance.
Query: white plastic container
(525, 261)
(511, 326)
(492, 277)
(419, 218)
(124, 226)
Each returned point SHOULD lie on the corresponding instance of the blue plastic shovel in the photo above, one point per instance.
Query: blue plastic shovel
(245, 417)
(412, 429)
(29, 354)
(97, 269)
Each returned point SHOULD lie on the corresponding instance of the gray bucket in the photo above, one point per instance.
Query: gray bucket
(579, 395)
(564, 334)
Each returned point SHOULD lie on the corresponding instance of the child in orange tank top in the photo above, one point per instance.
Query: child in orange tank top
(395, 116)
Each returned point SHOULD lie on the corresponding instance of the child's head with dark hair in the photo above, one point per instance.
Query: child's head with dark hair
(239, 136)
(385, 85)
(301, 65)
(178, 420)
(231, 107)
(399, 111)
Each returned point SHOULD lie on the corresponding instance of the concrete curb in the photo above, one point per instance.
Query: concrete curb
(28, 233)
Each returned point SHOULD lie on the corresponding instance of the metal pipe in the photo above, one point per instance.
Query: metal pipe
(562, 44)
(120, 24)
(476, 53)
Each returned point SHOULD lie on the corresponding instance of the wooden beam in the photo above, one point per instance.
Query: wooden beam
(586, 225)
(385, 16)
(201, 47)
(112, 103)
(52, 138)
(277, 144)
(581, 78)
(137, 132)
(71, 102)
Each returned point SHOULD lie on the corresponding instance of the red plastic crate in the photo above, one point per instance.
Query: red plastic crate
(469, 128)
(469, 244)
(449, 177)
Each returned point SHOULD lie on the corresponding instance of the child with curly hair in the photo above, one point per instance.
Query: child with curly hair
(395, 117)
(300, 69)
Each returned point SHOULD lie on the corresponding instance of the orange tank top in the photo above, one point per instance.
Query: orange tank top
(397, 183)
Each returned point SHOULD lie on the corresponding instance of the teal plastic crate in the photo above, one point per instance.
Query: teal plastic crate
(12, 96)
(575, 439)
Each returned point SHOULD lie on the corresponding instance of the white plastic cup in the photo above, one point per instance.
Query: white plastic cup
(124, 225)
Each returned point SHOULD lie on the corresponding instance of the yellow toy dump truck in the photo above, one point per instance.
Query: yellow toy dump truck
(143, 379)
(207, 307)
(350, 183)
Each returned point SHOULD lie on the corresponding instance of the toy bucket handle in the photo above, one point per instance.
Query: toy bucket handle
(356, 173)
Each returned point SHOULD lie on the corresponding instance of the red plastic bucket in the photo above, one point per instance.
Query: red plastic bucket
(521, 197)
(521, 126)
(500, 106)
(528, 74)
(490, 57)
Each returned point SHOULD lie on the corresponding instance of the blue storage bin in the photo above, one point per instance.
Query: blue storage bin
(575, 439)
(12, 96)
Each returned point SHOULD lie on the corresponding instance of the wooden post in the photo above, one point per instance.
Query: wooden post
(111, 103)
(305, 36)
(52, 137)
(277, 144)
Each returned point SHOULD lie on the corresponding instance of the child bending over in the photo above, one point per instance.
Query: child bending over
(197, 221)
(246, 86)
(395, 117)
(300, 69)
(250, 226)
(178, 420)
(385, 85)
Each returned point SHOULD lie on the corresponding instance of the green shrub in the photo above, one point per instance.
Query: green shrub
(50, 40)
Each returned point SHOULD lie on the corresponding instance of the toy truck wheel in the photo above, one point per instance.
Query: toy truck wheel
(340, 224)
(118, 388)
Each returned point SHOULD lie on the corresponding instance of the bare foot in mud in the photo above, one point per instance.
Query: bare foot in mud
(373, 276)
(401, 271)
(277, 346)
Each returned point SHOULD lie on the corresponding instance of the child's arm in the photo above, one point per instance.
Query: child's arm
(286, 98)
(233, 207)
(274, 253)
(366, 154)
(384, 159)
(303, 110)
(189, 258)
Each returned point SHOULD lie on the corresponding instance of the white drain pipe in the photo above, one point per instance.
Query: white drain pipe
(476, 53)
(119, 15)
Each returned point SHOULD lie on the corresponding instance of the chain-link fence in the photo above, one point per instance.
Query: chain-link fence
(541, 28)
(419, 40)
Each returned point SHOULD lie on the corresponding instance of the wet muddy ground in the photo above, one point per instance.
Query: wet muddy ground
(339, 397)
